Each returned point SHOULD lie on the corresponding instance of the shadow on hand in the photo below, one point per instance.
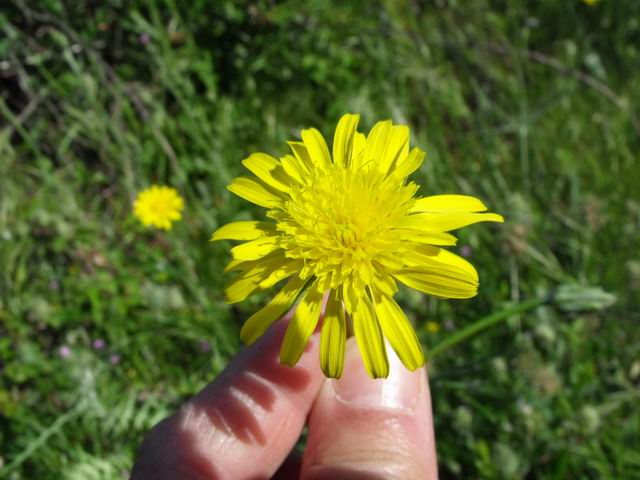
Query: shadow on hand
(248, 389)
(235, 406)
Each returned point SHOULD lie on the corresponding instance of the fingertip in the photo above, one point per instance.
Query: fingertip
(365, 428)
(402, 390)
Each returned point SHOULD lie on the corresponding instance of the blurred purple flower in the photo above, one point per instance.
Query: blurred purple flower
(145, 39)
(204, 346)
(64, 351)
(114, 359)
(99, 344)
(466, 251)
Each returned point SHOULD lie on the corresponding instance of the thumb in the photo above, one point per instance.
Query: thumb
(361, 428)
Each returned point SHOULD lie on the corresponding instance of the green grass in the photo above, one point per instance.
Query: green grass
(531, 106)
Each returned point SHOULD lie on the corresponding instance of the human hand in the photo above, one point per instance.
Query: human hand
(244, 425)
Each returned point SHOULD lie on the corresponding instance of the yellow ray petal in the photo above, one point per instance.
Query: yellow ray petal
(248, 281)
(448, 203)
(301, 154)
(444, 222)
(397, 147)
(333, 337)
(255, 249)
(370, 340)
(244, 265)
(317, 147)
(256, 192)
(417, 231)
(399, 332)
(349, 296)
(343, 139)
(249, 230)
(286, 269)
(258, 323)
(359, 141)
(409, 164)
(235, 265)
(239, 289)
(293, 168)
(302, 324)
(439, 259)
(392, 261)
(269, 170)
(440, 283)
(386, 284)
(376, 143)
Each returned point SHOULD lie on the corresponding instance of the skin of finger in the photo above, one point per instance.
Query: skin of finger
(354, 442)
(241, 426)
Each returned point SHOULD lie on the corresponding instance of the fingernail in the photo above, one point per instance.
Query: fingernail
(401, 390)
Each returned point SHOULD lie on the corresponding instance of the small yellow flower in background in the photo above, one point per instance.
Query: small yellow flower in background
(591, 2)
(348, 226)
(432, 327)
(158, 207)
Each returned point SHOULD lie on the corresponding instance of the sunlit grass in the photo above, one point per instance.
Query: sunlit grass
(528, 107)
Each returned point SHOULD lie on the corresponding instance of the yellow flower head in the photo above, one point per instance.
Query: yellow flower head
(348, 226)
(158, 207)
(432, 327)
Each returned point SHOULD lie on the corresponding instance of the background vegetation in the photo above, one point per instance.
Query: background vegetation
(106, 327)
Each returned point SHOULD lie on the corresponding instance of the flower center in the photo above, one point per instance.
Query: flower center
(341, 220)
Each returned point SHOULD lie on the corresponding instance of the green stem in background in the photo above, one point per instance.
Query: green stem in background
(483, 324)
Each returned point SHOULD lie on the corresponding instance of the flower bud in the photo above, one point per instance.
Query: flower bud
(575, 298)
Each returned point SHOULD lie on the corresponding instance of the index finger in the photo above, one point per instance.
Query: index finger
(241, 426)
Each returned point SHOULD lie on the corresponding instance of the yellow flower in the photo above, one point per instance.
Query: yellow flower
(158, 207)
(432, 327)
(347, 226)
(590, 2)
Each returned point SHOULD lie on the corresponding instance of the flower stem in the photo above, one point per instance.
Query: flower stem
(483, 324)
